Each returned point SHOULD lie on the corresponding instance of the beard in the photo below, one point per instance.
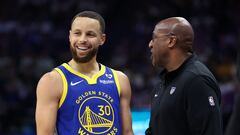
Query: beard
(84, 59)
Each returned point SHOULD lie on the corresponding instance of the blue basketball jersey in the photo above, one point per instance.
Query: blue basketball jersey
(89, 106)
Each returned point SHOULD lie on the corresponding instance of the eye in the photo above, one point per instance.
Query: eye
(91, 34)
(77, 33)
(153, 37)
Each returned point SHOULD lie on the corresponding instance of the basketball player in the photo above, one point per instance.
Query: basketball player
(83, 96)
(187, 99)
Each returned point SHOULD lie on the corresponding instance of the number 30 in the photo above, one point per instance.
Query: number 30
(104, 110)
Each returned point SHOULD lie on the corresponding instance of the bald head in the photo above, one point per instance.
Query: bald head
(179, 27)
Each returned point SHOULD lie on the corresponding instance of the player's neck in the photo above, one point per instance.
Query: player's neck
(90, 68)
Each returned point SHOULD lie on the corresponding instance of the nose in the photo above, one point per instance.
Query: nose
(150, 44)
(82, 38)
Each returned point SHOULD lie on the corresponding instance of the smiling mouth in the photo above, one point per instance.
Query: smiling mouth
(82, 48)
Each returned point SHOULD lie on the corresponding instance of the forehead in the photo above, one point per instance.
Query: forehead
(85, 23)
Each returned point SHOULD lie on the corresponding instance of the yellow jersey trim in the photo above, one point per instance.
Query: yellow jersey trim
(65, 87)
(117, 81)
(93, 79)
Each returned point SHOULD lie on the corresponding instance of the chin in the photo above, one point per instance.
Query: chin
(156, 64)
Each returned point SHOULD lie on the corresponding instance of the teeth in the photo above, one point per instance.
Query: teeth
(82, 48)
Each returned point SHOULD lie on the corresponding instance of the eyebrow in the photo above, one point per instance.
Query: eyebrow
(79, 30)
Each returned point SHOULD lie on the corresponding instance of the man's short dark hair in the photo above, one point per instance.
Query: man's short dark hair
(93, 15)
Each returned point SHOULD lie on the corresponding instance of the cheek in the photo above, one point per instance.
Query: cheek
(95, 42)
(157, 51)
(71, 39)
(156, 48)
(71, 43)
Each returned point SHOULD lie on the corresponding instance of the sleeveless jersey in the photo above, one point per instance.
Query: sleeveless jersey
(89, 106)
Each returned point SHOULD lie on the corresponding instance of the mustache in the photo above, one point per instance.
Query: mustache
(93, 52)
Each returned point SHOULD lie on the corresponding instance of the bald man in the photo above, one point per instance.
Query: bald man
(187, 99)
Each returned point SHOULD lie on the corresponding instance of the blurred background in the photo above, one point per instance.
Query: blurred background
(34, 40)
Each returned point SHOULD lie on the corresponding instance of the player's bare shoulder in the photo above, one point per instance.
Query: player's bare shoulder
(124, 83)
(122, 76)
(51, 84)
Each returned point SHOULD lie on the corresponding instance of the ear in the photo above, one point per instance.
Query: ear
(172, 41)
(103, 39)
(69, 35)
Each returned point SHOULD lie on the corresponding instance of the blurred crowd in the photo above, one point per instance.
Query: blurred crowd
(34, 40)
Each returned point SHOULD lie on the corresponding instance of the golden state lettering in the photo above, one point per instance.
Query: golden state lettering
(82, 132)
(106, 96)
(113, 132)
(84, 95)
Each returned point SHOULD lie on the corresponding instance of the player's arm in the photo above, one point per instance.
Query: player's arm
(125, 98)
(203, 107)
(48, 95)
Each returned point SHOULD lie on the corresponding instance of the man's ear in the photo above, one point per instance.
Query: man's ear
(172, 41)
(103, 39)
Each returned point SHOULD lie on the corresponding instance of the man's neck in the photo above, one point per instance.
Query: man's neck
(176, 60)
(89, 68)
